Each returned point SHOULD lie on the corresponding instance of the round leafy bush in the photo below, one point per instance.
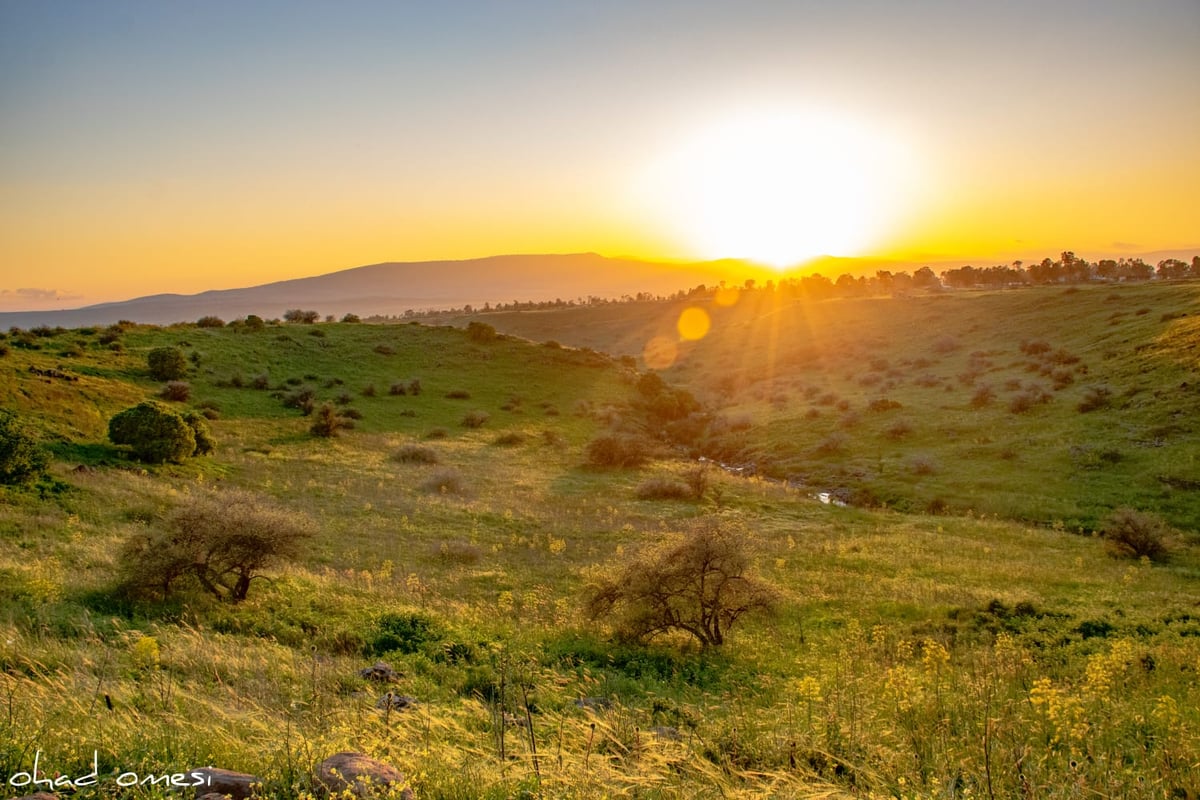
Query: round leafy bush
(22, 459)
(166, 363)
(155, 433)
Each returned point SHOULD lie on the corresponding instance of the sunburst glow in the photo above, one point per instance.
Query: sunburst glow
(780, 188)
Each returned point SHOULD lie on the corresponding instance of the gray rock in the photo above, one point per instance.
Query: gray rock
(362, 775)
(593, 702)
(224, 782)
(380, 671)
(398, 702)
(667, 732)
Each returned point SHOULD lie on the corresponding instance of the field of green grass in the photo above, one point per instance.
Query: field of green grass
(988, 650)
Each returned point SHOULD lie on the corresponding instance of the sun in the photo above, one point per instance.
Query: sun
(779, 187)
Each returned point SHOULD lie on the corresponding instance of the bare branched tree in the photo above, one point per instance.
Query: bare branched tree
(222, 540)
(695, 583)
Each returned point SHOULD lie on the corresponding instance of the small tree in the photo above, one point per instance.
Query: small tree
(157, 434)
(480, 332)
(695, 583)
(301, 316)
(1134, 534)
(221, 540)
(22, 459)
(327, 422)
(166, 363)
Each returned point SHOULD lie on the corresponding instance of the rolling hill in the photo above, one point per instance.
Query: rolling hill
(389, 289)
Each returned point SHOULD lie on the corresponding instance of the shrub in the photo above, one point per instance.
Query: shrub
(697, 480)
(983, 396)
(415, 454)
(1035, 348)
(437, 433)
(166, 363)
(368, 390)
(327, 422)
(509, 439)
(444, 481)
(297, 315)
(351, 318)
(458, 551)
(154, 433)
(385, 350)
(198, 422)
(210, 322)
(458, 394)
(1032, 396)
(405, 633)
(22, 458)
(254, 323)
(922, 464)
(475, 419)
(398, 389)
(694, 583)
(414, 387)
(946, 344)
(303, 398)
(881, 404)
(221, 540)
(260, 381)
(1134, 534)
(899, 429)
(663, 489)
(833, 443)
(1095, 398)
(614, 450)
(176, 391)
(481, 332)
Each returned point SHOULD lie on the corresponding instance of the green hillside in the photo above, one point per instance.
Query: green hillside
(1050, 405)
(456, 529)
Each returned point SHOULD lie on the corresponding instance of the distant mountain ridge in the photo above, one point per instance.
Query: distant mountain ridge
(391, 288)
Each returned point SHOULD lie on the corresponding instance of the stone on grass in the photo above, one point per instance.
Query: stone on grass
(363, 776)
(224, 782)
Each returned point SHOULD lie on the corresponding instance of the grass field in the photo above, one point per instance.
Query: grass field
(988, 650)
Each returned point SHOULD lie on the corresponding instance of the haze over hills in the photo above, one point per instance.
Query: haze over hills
(394, 287)
(391, 288)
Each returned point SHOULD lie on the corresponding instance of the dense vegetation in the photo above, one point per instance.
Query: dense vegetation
(490, 487)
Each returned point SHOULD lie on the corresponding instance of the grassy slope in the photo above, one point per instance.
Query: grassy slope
(914, 655)
(805, 375)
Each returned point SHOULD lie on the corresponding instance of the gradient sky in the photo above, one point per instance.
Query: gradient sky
(157, 146)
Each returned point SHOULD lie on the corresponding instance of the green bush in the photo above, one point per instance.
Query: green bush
(22, 459)
(155, 433)
(166, 363)
(404, 632)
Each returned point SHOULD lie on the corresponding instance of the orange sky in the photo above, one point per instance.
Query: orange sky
(151, 148)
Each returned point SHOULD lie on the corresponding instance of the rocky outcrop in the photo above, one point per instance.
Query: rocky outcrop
(360, 774)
